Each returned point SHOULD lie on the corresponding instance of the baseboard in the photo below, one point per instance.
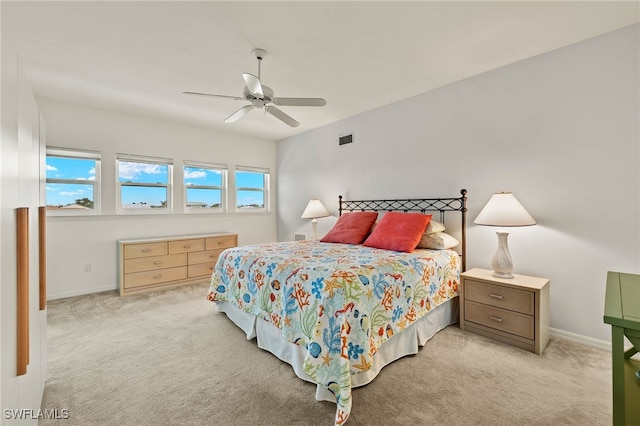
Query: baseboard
(82, 292)
(578, 338)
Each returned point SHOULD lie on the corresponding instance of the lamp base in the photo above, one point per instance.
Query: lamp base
(501, 262)
(502, 274)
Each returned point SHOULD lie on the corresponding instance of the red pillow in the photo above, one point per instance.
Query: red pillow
(398, 231)
(351, 228)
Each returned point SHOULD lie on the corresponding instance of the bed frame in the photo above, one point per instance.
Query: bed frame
(422, 205)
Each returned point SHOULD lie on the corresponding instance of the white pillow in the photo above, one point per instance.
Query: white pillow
(438, 241)
(434, 227)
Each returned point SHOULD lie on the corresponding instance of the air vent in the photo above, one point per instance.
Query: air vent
(299, 237)
(343, 140)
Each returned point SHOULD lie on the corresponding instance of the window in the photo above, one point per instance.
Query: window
(252, 189)
(72, 182)
(204, 187)
(143, 184)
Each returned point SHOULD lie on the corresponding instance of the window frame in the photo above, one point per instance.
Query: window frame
(52, 151)
(266, 190)
(223, 169)
(129, 158)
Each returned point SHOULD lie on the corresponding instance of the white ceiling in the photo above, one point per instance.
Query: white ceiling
(138, 57)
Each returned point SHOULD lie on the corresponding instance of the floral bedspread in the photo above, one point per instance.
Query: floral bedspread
(341, 302)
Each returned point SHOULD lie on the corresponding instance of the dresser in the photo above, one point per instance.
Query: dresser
(154, 263)
(513, 311)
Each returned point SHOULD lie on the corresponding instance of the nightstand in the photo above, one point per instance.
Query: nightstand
(513, 311)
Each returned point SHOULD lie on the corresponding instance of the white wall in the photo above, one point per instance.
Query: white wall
(19, 187)
(75, 241)
(560, 131)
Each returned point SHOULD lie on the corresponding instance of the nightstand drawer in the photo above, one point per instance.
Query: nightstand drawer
(500, 296)
(500, 319)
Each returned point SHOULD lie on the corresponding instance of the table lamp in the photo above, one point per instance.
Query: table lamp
(314, 210)
(504, 210)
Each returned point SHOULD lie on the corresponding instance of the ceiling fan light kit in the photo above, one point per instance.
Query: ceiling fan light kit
(262, 97)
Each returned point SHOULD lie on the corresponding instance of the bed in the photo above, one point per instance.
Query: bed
(338, 312)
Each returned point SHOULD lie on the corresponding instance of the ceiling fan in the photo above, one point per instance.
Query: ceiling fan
(262, 97)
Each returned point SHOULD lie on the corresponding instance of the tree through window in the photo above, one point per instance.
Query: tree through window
(72, 181)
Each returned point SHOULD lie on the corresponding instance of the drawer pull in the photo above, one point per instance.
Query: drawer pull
(146, 250)
(157, 262)
(186, 246)
(496, 319)
(157, 277)
(496, 296)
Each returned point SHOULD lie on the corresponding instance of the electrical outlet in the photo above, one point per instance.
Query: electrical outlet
(86, 267)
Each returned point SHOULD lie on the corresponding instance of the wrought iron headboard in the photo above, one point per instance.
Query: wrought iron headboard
(423, 205)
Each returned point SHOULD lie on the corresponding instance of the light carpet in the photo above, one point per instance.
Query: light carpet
(166, 358)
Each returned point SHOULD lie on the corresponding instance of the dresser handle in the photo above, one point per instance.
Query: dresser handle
(157, 262)
(157, 277)
(496, 296)
(147, 250)
(186, 246)
(495, 318)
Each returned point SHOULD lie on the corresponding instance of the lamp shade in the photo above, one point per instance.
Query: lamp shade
(314, 210)
(503, 209)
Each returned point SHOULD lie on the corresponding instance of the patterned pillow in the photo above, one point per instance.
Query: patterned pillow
(398, 231)
(351, 228)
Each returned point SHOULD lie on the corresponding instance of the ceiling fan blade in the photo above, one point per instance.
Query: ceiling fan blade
(314, 102)
(253, 84)
(238, 114)
(216, 96)
(281, 116)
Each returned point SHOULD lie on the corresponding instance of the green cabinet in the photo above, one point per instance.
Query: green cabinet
(622, 312)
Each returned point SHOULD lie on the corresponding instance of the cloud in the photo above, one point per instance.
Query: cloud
(195, 174)
(71, 193)
(51, 168)
(128, 170)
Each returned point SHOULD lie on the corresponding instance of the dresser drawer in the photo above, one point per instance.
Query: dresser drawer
(209, 256)
(221, 242)
(509, 298)
(200, 270)
(154, 262)
(137, 279)
(500, 319)
(132, 251)
(186, 246)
